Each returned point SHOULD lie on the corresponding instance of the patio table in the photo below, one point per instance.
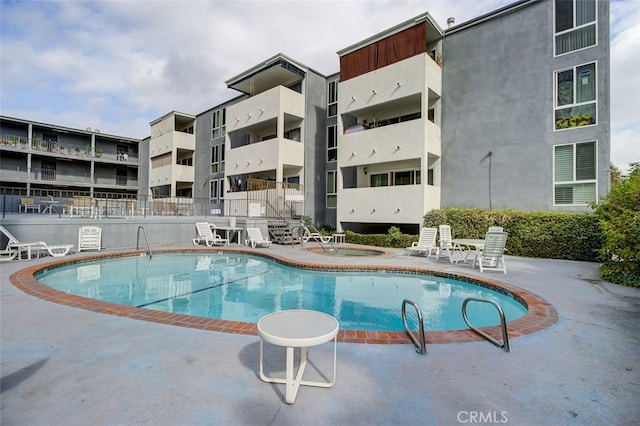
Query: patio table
(297, 328)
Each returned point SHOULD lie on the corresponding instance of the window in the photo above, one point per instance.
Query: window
(575, 25)
(332, 191)
(216, 190)
(219, 121)
(379, 180)
(574, 173)
(332, 99)
(221, 158)
(332, 143)
(575, 98)
(215, 158)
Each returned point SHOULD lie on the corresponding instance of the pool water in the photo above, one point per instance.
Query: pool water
(243, 287)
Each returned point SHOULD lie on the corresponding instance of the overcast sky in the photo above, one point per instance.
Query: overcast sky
(117, 65)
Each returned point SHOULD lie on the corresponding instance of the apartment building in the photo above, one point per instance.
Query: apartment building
(507, 110)
(45, 159)
(525, 117)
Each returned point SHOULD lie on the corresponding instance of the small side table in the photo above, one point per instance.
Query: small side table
(297, 328)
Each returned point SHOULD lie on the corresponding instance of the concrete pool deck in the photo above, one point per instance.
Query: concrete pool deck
(77, 367)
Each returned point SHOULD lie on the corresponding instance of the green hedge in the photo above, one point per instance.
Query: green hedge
(547, 235)
(531, 234)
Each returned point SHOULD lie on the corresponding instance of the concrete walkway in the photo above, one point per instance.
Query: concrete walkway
(63, 365)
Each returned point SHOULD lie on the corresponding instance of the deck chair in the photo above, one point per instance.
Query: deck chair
(491, 255)
(33, 248)
(206, 235)
(495, 229)
(446, 246)
(314, 235)
(426, 243)
(255, 238)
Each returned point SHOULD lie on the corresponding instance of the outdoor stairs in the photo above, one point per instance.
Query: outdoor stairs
(281, 233)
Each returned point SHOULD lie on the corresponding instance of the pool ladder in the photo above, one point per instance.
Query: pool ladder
(144, 233)
(505, 336)
(421, 344)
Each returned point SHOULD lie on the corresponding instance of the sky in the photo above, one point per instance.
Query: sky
(118, 65)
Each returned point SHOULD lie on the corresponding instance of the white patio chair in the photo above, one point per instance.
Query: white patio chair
(491, 255)
(206, 235)
(255, 238)
(426, 243)
(16, 248)
(446, 246)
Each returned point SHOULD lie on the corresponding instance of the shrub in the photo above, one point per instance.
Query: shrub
(548, 235)
(619, 215)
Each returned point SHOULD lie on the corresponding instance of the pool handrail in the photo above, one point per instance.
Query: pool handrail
(505, 337)
(420, 345)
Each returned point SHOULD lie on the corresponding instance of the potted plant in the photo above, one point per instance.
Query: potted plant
(98, 152)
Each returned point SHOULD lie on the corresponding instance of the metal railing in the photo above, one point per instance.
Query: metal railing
(421, 346)
(505, 337)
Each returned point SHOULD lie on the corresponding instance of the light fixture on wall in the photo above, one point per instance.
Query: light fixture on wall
(364, 170)
(398, 84)
(249, 114)
(398, 147)
(374, 91)
(261, 161)
(237, 119)
(248, 163)
(373, 210)
(261, 110)
(397, 210)
(353, 154)
(373, 151)
(353, 210)
(353, 98)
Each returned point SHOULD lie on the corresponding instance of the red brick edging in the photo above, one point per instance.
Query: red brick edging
(540, 314)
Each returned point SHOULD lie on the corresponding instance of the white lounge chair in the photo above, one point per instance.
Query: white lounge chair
(491, 255)
(426, 243)
(255, 238)
(446, 246)
(16, 248)
(206, 235)
(495, 229)
(315, 236)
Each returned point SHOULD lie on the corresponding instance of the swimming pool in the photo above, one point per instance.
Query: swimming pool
(243, 287)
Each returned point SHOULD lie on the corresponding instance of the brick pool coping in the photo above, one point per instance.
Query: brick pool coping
(540, 314)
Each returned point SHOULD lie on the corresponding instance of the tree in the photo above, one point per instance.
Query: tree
(619, 215)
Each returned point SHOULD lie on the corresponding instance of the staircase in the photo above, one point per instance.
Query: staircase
(281, 232)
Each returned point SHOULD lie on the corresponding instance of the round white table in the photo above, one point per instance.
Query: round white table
(297, 328)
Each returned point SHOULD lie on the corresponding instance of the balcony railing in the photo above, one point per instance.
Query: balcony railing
(15, 173)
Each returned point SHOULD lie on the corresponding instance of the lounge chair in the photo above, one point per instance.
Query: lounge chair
(27, 204)
(495, 229)
(491, 255)
(255, 238)
(206, 235)
(426, 243)
(446, 246)
(315, 236)
(16, 248)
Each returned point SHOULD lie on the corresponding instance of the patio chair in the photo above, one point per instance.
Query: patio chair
(426, 243)
(27, 204)
(314, 235)
(16, 248)
(491, 255)
(446, 245)
(495, 229)
(255, 238)
(206, 235)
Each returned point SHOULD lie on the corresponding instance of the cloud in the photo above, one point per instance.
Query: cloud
(117, 65)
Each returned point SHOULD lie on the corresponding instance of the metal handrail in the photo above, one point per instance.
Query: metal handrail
(145, 239)
(505, 337)
(420, 345)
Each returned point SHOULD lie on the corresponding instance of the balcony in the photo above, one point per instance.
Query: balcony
(390, 204)
(58, 177)
(264, 107)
